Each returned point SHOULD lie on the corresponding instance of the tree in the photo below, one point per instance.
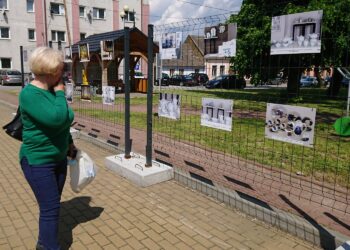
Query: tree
(253, 45)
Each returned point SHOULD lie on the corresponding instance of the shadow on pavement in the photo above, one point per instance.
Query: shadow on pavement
(74, 212)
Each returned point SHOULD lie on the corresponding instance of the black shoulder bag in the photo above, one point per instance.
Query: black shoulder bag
(14, 127)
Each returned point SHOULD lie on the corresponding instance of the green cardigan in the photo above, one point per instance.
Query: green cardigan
(46, 121)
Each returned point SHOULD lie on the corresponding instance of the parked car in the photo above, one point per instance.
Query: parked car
(308, 81)
(182, 80)
(226, 82)
(10, 77)
(163, 81)
(200, 78)
(345, 82)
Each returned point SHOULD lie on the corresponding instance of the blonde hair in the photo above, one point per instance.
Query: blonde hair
(45, 61)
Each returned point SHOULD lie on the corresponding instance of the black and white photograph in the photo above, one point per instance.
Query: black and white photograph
(69, 92)
(217, 113)
(107, 50)
(108, 95)
(85, 92)
(220, 40)
(292, 124)
(169, 106)
(170, 45)
(68, 54)
(296, 33)
(84, 53)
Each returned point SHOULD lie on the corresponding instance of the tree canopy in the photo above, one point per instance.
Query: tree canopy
(254, 33)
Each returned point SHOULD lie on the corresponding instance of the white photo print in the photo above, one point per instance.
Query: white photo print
(291, 124)
(217, 113)
(169, 106)
(69, 92)
(108, 95)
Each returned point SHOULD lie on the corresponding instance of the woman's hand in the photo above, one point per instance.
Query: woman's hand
(72, 151)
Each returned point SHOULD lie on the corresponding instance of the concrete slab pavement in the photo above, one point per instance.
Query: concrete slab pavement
(112, 213)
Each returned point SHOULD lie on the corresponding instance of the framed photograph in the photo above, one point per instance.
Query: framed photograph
(107, 50)
(108, 95)
(68, 54)
(84, 53)
(69, 90)
(170, 45)
(291, 124)
(217, 113)
(220, 40)
(169, 106)
(298, 33)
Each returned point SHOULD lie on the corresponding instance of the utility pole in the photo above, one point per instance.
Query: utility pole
(67, 23)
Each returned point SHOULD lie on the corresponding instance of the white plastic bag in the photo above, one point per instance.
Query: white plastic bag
(82, 171)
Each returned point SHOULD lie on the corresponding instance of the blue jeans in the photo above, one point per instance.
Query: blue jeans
(47, 181)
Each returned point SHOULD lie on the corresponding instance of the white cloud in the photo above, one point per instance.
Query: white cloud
(170, 11)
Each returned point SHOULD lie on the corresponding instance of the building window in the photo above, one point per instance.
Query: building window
(82, 11)
(31, 34)
(4, 4)
(30, 5)
(4, 32)
(98, 13)
(57, 9)
(5, 63)
(214, 70)
(58, 36)
(172, 71)
(130, 16)
(82, 36)
(181, 72)
(222, 70)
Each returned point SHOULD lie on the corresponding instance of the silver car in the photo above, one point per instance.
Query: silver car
(10, 77)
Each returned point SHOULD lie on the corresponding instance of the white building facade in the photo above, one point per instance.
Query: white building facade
(60, 23)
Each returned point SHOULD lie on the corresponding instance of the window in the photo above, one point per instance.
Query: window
(98, 13)
(214, 70)
(30, 5)
(4, 32)
(57, 9)
(58, 36)
(181, 72)
(172, 71)
(129, 16)
(3, 4)
(222, 70)
(5, 63)
(31, 34)
(82, 36)
(81, 11)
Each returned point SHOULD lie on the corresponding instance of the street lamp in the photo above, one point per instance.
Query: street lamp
(125, 15)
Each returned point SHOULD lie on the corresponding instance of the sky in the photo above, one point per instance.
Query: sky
(171, 11)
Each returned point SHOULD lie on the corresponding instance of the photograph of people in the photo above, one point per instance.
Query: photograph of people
(169, 106)
(46, 140)
(69, 92)
(84, 55)
(68, 54)
(108, 95)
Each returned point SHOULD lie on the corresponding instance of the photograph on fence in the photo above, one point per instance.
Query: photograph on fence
(169, 106)
(170, 45)
(107, 50)
(108, 95)
(220, 40)
(217, 113)
(69, 90)
(68, 54)
(296, 33)
(85, 92)
(291, 124)
(84, 53)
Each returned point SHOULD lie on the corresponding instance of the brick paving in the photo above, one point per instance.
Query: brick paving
(112, 213)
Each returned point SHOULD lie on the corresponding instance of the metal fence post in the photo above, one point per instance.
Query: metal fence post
(22, 65)
(149, 96)
(127, 91)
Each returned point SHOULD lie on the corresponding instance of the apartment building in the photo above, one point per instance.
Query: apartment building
(59, 23)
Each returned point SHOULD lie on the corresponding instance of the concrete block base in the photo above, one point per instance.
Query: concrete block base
(135, 171)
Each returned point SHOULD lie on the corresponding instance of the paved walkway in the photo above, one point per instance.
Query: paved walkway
(112, 213)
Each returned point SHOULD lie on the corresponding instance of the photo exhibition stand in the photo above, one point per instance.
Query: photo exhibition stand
(140, 170)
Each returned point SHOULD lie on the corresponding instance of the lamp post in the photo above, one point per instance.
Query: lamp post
(125, 15)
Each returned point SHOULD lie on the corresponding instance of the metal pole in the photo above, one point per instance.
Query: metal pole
(347, 108)
(127, 91)
(22, 65)
(149, 96)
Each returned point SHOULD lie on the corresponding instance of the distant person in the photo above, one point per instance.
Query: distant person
(46, 139)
